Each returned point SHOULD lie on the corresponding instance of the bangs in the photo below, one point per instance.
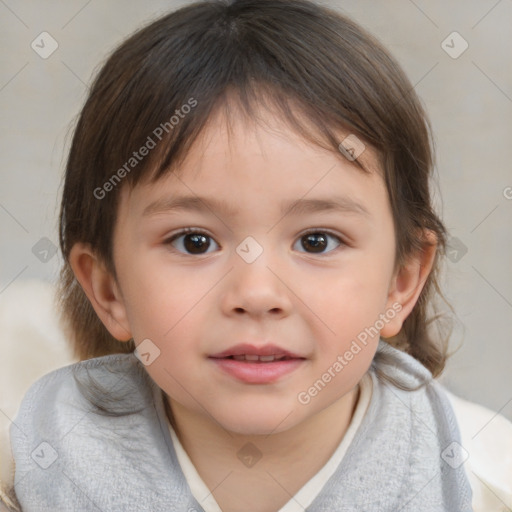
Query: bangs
(172, 148)
(167, 80)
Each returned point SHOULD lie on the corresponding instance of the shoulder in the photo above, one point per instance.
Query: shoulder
(421, 420)
(100, 422)
(397, 452)
(113, 385)
(406, 371)
(410, 390)
(78, 380)
(397, 373)
(104, 365)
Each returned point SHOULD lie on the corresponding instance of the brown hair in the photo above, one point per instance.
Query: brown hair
(300, 57)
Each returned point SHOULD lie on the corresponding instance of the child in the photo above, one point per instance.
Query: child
(250, 253)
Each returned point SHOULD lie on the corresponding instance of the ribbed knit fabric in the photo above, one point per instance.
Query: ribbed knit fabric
(107, 447)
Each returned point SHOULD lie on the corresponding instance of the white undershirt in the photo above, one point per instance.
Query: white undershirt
(309, 491)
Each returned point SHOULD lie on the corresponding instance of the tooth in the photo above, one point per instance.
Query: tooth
(267, 358)
(250, 357)
(239, 358)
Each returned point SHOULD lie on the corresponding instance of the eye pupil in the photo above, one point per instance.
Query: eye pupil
(317, 241)
(195, 242)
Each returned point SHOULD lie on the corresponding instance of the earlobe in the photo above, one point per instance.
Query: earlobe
(407, 284)
(101, 290)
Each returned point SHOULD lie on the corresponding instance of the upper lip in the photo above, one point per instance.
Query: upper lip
(263, 350)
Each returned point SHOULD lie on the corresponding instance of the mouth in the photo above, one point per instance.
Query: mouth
(265, 353)
(253, 358)
(257, 365)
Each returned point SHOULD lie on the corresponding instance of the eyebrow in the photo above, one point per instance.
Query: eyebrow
(299, 206)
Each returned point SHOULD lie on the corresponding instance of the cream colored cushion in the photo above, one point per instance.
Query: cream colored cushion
(32, 344)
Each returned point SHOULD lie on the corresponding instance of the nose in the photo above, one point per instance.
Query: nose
(257, 289)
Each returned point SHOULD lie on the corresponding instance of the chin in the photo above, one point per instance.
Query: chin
(255, 424)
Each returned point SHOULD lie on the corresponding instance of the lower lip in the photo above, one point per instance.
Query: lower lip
(257, 373)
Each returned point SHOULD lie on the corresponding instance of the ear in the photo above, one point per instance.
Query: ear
(407, 283)
(101, 290)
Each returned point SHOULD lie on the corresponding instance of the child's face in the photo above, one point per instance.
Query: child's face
(308, 296)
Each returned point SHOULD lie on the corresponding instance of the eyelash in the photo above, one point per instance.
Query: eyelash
(195, 231)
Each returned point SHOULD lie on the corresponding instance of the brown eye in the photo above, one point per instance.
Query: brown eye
(191, 242)
(318, 241)
(196, 244)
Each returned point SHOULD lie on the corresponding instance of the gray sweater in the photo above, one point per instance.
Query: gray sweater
(93, 436)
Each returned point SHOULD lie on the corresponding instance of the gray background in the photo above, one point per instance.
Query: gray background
(469, 100)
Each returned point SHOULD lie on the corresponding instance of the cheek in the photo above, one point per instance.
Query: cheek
(170, 320)
(348, 300)
(158, 297)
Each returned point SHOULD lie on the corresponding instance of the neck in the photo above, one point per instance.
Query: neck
(284, 460)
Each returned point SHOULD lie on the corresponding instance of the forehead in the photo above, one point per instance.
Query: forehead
(237, 157)
(236, 131)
